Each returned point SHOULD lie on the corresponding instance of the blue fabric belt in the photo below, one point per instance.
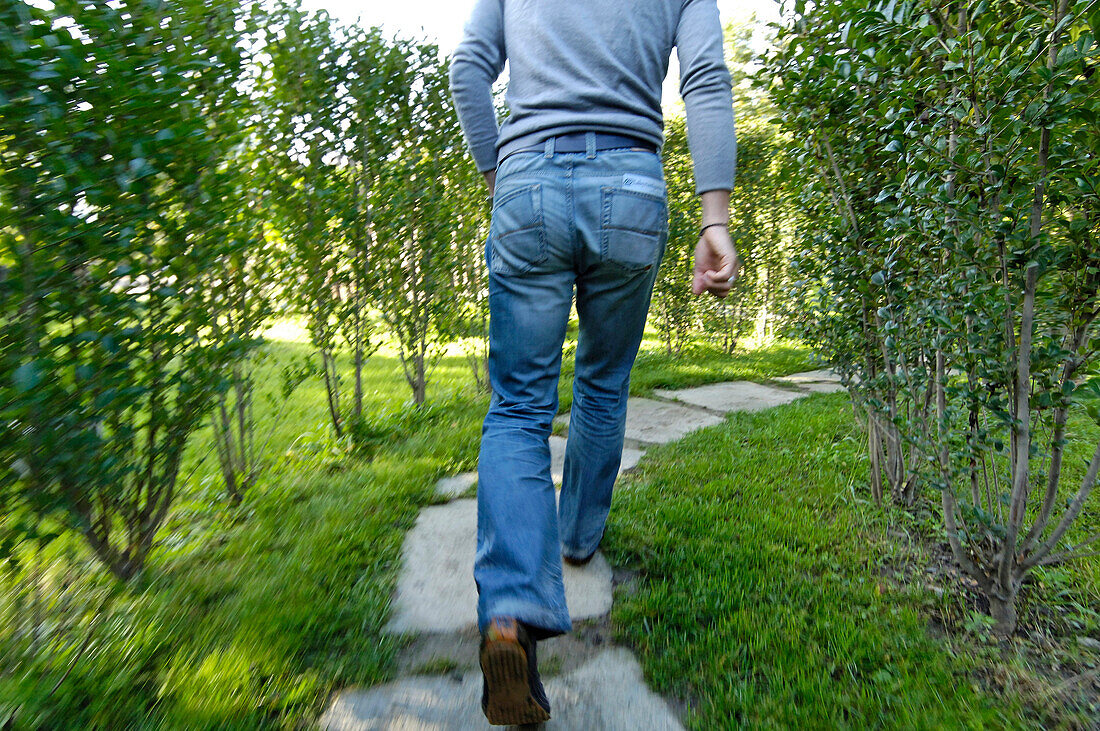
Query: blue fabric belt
(575, 142)
(579, 142)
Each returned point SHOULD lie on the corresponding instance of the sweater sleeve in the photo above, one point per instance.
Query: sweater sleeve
(476, 64)
(706, 88)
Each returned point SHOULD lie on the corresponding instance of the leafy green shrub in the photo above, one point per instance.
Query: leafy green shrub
(952, 254)
(115, 230)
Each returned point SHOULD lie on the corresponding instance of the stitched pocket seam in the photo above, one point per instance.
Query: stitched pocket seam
(496, 237)
(608, 194)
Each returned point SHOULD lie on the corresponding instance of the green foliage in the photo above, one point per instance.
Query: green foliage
(327, 98)
(244, 298)
(673, 309)
(759, 216)
(952, 223)
(431, 222)
(173, 172)
(373, 196)
(248, 617)
(115, 228)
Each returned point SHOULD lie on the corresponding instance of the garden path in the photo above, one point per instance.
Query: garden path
(592, 684)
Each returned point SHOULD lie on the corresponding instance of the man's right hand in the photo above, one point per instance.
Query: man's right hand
(716, 263)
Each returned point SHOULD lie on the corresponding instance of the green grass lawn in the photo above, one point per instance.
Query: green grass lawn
(770, 593)
(249, 618)
(759, 596)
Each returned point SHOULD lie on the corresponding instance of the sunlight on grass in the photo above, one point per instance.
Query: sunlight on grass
(296, 330)
(757, 601)
(291, 330)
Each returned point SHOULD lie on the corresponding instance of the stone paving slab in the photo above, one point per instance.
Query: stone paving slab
(557, 458)
(736, 396)
(821, 387)
(650, 422)
(822, 375)
(606, 694)
(630, 459)
(659, 422)
(435, 589)
(819, 381)
(452, 487)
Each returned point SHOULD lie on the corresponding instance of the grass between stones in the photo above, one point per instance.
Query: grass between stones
(757, 601)
(250, 618)
(770, 594)
(699, 364)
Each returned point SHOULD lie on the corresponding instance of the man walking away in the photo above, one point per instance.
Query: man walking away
(580, 206)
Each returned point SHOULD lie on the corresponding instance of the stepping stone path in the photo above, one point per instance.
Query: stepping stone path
(435, 591)
(737, 396)
(821, 381)
(592, 685)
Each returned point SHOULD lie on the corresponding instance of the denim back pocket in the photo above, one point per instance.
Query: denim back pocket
(633, 228)
(517, 236)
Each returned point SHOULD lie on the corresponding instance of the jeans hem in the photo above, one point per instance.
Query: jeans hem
(541, 623)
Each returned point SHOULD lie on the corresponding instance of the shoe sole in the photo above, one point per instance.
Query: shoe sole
(579, 562)
(509, 701)
(582, 561)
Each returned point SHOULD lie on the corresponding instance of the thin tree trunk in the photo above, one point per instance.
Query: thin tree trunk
(874, 449)
(1008, 571)
(1061, 415)
(1072, 511)
(331, 391)
(224, 448)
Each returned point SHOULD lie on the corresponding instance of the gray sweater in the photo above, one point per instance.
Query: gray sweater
(595, 65)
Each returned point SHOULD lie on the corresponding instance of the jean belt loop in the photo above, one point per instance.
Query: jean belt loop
(548, 148)
(590, 145)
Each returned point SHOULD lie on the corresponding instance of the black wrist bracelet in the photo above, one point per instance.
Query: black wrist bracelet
(719, 223)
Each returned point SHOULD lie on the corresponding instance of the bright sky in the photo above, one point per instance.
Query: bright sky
(442, 20)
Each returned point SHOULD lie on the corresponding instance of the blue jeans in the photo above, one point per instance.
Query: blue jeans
(596, 221)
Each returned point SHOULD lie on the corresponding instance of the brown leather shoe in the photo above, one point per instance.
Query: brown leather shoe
(511, 692)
